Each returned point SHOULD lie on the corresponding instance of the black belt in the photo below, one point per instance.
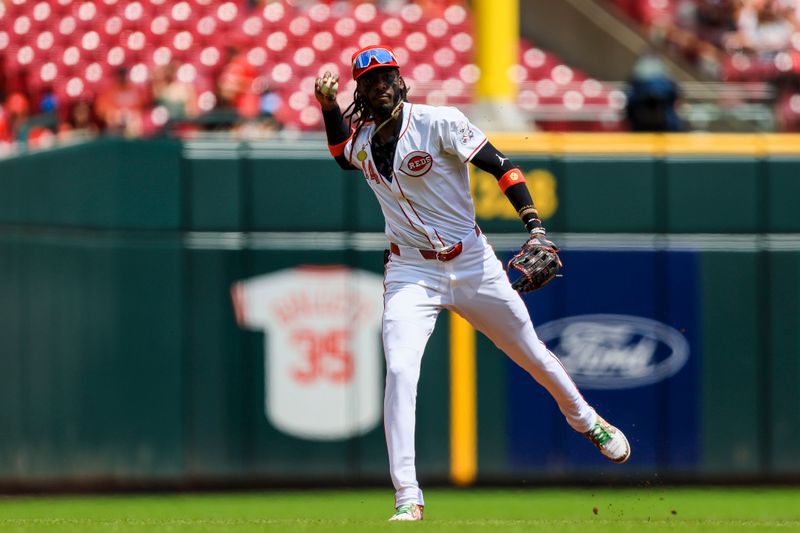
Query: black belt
(444, 255)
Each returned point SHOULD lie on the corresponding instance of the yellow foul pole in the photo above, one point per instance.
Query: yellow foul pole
(463, 402)
(497, 40)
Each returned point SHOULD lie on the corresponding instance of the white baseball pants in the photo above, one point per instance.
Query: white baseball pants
(475, 286)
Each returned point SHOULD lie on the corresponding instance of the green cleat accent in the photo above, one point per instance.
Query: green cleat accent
(407, 512)
(610, 441)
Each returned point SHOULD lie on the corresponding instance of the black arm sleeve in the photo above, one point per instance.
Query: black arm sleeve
(490, 160)
(337, 132)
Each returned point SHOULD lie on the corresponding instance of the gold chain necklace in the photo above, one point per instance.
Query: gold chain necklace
(362, 154)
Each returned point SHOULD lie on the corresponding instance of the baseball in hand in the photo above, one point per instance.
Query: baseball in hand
(329, 87)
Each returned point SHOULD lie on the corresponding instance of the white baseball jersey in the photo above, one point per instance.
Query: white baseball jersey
(427, 202)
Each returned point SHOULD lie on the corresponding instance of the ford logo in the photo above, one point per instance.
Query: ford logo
(615, 351)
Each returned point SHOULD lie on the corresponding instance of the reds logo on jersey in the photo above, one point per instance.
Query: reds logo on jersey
(416, 164)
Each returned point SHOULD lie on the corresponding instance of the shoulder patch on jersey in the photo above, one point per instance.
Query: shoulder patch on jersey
(416, 164)
(464, 131)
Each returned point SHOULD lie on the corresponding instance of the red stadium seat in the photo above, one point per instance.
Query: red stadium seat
(392, 28)
(159, 26)
(345, 27)
(438, 31)
(140, 73)
(303, 58)
(365, 15)
(116, 56)
(411, 13)
(74, 88)
(206, 29)
(274, 12)
(41, 13)
(94, 74)
(135, 41)
(22, 26)
(90, 41)
(253, 27)
(257, 56)
(281, 73)
(45, 41)
(416, 42)
(298, 100)
(369, 38)
(48, 72)
(227, 14)
(209, 59)
(71, 57)
(161, 56)
(323, 42)
(299, 27)
(111, 7)
(182, 41)
(65, 31)
(444, 57)
(311, 118)
(345, 56)
(133, 12)
(186, 73)
(423, 73)
(562, 74)
(469, 73)
(86, 14)
(113, 26)
(320, 15)
(277, 41)
(456, 16)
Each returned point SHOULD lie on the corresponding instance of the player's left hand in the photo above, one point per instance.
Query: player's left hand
(537, 262)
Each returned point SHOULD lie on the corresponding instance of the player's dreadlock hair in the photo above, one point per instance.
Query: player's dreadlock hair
(358, 113)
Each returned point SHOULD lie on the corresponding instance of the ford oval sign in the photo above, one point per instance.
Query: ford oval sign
(615, 351)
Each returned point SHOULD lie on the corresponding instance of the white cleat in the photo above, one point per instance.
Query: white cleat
(610, 441)
(407, 512)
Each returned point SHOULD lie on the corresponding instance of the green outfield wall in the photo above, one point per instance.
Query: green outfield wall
(121, 358)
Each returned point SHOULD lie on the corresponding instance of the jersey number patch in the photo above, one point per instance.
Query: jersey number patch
(370, 173)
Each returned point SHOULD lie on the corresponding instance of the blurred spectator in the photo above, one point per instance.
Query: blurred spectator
(15, 112)
(235, 83)
(260, 121)
(177, 97)
(121, 105)
(435, 8)
(698, 29)
(652, 97)
(81, 121)
(5, 132)
(48, 101)
(762, 27)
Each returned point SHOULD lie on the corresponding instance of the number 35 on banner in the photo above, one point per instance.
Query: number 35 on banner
(322, 348)
(324, 356)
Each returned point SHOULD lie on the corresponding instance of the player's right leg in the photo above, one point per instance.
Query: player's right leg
(411, 305)
(497, 310)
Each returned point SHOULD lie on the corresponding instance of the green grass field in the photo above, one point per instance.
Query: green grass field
(546, 510)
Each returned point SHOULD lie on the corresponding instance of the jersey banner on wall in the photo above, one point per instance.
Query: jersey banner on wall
(625, 325)
(324, 370)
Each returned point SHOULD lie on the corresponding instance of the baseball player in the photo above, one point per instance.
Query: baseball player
(414, 157)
